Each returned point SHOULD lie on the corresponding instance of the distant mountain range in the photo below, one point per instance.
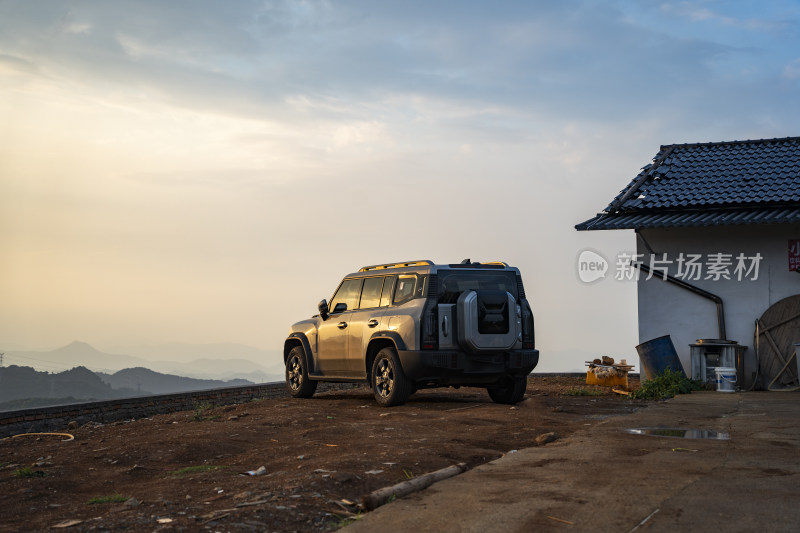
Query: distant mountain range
(24, 387)
(209, 361)
(145, 381)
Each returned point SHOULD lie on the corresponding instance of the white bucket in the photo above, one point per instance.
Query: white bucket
(726, 379)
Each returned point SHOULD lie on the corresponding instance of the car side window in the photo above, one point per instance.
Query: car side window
(371, 293)
(405, 288)
(348, 293)
(388, 288)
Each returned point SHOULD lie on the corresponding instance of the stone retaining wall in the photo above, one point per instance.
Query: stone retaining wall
(56, 418)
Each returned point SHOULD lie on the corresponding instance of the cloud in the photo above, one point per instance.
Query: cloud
(698, 12)
(16, 66)
(792, 70)
(578, 60)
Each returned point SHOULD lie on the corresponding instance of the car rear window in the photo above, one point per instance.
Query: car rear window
(453, 283)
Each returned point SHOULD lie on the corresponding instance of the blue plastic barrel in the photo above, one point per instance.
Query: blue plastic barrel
(657, 355)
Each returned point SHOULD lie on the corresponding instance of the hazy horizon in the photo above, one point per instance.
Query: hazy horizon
(269, 360)
(204, 172)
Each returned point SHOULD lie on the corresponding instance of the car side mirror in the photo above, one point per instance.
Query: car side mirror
(323, 309)
(341, 307)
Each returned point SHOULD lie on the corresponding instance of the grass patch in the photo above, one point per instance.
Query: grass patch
(345, 520)
(200, 412)
(666, 385)
(29, 472)
(114, 498)
(199, 469)
(583, 392)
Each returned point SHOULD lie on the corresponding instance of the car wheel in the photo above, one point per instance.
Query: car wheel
(511, 390)
(297, 375)
(390, 384)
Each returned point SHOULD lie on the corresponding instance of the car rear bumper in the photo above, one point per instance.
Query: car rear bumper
(460, 368)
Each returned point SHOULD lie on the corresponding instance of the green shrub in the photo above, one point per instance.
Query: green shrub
(666, 385)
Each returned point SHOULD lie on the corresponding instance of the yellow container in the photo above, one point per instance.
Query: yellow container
(610, 379)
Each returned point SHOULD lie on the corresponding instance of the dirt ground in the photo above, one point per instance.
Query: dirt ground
(183, 471)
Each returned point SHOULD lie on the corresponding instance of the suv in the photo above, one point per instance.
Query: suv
(406, 326)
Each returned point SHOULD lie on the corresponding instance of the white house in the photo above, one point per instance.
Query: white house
(722, 221)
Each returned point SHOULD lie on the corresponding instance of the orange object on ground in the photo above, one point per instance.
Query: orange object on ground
(610, 378)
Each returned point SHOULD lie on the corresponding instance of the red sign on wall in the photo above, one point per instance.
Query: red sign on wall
(794, 254)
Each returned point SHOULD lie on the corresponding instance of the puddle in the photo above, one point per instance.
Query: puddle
(681, 433)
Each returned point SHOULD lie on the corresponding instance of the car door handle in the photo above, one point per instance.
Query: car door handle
(372, 323)
(341, 325)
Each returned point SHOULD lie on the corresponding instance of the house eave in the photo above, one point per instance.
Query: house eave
(691, 218)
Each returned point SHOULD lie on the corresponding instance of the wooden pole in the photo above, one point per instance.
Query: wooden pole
(375, 499)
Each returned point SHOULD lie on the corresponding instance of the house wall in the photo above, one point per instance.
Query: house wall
(666, 309)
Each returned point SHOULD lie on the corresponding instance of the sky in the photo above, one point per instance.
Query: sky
(204, 171)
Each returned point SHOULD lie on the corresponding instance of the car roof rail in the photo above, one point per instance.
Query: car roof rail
(467, 262)
(424, 262)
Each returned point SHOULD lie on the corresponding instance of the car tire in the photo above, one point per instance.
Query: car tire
(389, 382)
(297, 381)
(511, 390)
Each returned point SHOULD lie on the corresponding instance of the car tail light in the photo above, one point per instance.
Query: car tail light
(528, 336)
(429, 331)
(429, 328)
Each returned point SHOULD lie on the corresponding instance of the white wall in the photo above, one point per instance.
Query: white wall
(666, 309)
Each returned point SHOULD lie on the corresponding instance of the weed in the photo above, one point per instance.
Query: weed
(583, 392)
(666, 385)
(199, 411)
(345, 520)
(29, 472)
(114, 498)
(196, 470)
(408, 473)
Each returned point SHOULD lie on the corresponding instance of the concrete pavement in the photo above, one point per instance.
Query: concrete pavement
(606, 479)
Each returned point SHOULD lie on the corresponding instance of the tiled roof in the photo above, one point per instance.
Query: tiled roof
(703, 217)
(738, 182)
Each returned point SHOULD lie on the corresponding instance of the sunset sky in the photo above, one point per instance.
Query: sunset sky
(205, 171)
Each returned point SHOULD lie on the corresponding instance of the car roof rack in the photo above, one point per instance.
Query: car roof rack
(424, 262)
(466, 262)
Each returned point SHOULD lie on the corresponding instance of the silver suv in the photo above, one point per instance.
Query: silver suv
(406, 326)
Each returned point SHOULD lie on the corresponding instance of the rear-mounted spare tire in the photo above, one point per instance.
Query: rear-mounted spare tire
(488, 320)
